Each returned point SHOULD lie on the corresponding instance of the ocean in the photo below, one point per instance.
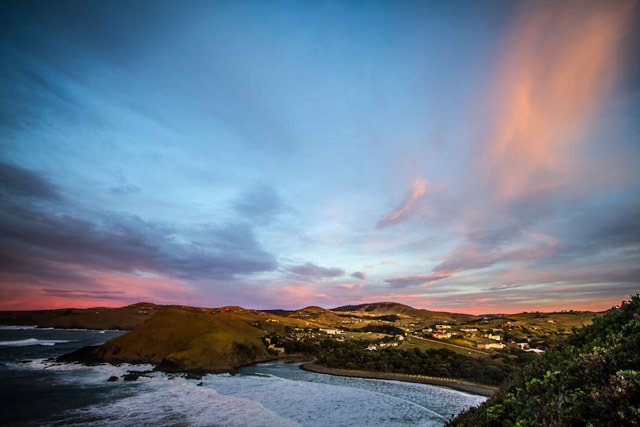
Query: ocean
(35, 391)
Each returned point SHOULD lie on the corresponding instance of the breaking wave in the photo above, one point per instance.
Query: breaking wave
(31, 341)
(266, 396)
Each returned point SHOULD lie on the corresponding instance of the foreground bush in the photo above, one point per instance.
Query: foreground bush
(590, 379)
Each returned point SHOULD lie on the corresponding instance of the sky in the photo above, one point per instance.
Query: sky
(466, 156)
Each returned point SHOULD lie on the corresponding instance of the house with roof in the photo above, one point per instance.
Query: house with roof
(442, 335)
(491, 345)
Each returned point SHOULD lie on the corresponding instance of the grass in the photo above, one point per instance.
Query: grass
(428, 344)
(190, 339)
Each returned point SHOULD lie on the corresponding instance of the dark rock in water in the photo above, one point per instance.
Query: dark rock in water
(25, 361)
(84, 355)
(112, 379)
(134, 375)
(169, 367)
(200, 384)
(193, 376)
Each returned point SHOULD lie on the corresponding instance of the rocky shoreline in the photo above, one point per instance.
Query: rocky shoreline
(86, 356)
(458, 385)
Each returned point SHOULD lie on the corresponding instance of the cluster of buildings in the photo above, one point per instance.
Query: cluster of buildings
(373, 347)
(445, 331)
(332, 331)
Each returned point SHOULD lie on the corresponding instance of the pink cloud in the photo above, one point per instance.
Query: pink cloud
(350, 285)
(106, 290)
(418, 189)
(471, 256)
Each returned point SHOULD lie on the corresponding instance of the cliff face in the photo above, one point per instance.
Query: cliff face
(592, 378)
(183, 339)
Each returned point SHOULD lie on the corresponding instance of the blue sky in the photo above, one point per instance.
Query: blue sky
(467, 156)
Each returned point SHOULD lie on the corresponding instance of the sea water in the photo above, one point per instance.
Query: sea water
(36, 391)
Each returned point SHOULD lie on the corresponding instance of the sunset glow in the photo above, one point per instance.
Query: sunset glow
(474, 157)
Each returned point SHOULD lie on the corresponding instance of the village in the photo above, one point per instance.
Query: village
(479, 338)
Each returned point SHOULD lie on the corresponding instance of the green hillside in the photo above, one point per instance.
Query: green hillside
(590, 379)
(123, 318)
(391, 308)
(184, 339)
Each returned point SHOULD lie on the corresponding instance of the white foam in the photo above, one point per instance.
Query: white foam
(277, 395)
(81, 375)
(318, 404)
(31, 341)
(168, 401)
(16, 328)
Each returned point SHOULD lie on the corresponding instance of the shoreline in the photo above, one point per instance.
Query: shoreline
(458, 385)
(84, 356)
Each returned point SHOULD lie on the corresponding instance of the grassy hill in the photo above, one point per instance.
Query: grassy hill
(124, 318)
(316, 314)
(180, 339)
(394, 308)
(591, 378)
(185, 339)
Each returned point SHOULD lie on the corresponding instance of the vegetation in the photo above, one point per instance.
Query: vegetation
(186, 339)
(380, 329)
(441, 363)
(590, 379)
(178, 338)
(385, 308)
(124, 318)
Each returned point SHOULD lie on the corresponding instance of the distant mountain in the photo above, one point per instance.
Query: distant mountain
(385, 308)
(278, 312)
(378, 308)
(316, 314)
(591, 378)
(124, 318)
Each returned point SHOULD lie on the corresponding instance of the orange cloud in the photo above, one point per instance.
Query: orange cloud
(558, 66)
(418, 189)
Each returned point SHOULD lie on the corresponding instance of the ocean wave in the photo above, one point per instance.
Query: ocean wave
(162, 400)
(259, 398)
(32, 341)
(16, 327)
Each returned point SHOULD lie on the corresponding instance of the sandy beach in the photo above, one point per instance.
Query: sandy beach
(465, 386)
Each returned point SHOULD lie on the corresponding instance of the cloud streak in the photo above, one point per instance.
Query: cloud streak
(316, 271)
(403, 282)
(558, 66)
(418, 190)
